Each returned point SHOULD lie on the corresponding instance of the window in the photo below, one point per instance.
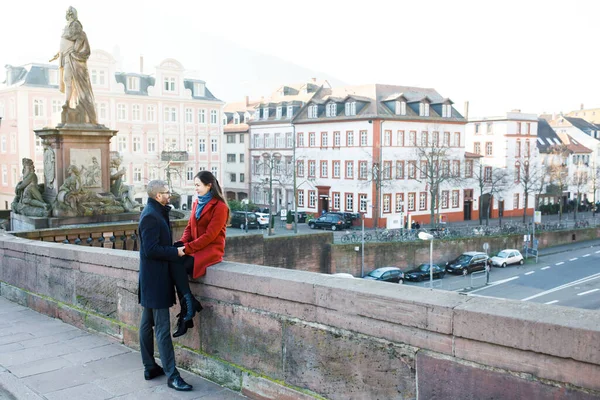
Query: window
(477, 148)
(423, 201)
(230, 138)
(257, 143)
(424, 170)
(189, 145)
(300, 140)
(387, 170)
(313, 111)
(151, 145)
(279, 141)
(38, 145)
(399, 202)
(289, 112)
(300, 194)
(349, 169)
(323, 139)
(289, 139)
(350, 138)
(412, 138)
(188, 116)
(121, 144)
(236, 119)
(242, 158)
(399, 169)
(362, 202)
(189, 174)
(202, 116)
(488, 148)
(362, 170)
(137, 144)
(3, 144)
(455, 198)
(312, 199)
(456, 139)
(278, 112)
(137, 174)
(213, 117)
(387, 203)
(242, 178)
(456, 168)
(324, 167)
(400, 138)
(518, 128)
(477, 132)
(311, 139)
(487, 174)
(517, 172)
(133, 83)
(215, 172)
(387, 138)
(199, 89)
(151, 113)
(515, 201)
(121, 112)
(424, 137)
(232, 177)
(170, 114)
(363, 138)
(170, 143)
(213, 145)
(331, 110)
(38, 108)
(424, 109)
(518, 149)
(445, 198)
(411, 202)
(446, 139)
(489, 129)
(350, 108)
(169, 84)
(311, 168)
(202, 145)
(529, 128)
(265, 113)
(446, 110)
(435, 138)
(400, 108)
(300, 168)
(336, 169)
(336, 200)
(349, 202)
(527, 149)
(13, 143)
(241, 138)
(268, 140)
(4, 175)
(412, 168)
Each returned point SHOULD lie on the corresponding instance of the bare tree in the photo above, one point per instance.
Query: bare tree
(580, 181)
(531, 178)
(558, 174)
(594, 180)
(490, 180)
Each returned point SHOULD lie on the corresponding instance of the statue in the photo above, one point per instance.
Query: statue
(92, 173)
(122, 192)
(74, 77)
(28, 197)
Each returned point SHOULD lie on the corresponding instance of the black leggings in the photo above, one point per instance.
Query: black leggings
(179, 273)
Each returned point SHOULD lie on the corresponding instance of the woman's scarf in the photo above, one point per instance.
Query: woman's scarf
(202, 200)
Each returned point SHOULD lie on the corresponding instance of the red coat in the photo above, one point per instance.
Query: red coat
(204, 238)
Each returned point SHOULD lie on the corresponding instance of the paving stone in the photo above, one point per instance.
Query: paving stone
(83, 392)
(40, 367)
(28, 355)
(87, 341)
(8, 348)
(61, 379)
(15, 338)
(16, 388)
(97, 353)
(129, 382)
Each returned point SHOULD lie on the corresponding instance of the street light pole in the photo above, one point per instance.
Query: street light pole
(362, 249)
(429, 236)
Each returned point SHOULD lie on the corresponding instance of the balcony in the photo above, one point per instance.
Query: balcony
(174, 156)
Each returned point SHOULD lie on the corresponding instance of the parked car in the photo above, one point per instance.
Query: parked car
(386, 274)
(507, 257)
(343, 275)
(263, 220)
(348, 217)
(328, 221)
(240, 218)
(421, 273)
(467, 263)
(301, 216)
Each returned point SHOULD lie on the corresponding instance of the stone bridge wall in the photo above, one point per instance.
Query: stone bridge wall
(274, 333)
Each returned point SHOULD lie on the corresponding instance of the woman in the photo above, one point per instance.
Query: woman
(203, 239)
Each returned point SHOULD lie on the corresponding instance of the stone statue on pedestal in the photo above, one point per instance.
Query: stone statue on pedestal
(122, 192)
(28, 197)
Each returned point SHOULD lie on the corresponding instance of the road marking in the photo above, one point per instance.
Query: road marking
(566, 285)
(552, 302)
(560, 263)
(573, 259)
(529, 273)
(589, 291)
(586, 255)
(545, 267)
(598, 252)
(493, 284)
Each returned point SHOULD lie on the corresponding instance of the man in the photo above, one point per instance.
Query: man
(156, 292)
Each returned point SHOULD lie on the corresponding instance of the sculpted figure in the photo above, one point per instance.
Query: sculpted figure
(92, 173)
(123, 193)
(74, 77)
(28, 200)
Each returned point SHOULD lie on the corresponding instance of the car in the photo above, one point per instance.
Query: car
(421, 273)
(302, 216)
(467, 263)
(334, 222)
(343, 275)
(263, 220)
(239, 219)
(386, 274)
(348, 217)
(507, 257)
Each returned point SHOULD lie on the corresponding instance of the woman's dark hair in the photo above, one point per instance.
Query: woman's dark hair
(206, 177)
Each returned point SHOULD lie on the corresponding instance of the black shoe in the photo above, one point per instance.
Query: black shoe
(153, 372)
(189, 306)
(178, 383)
(197, 306)
(182, 326)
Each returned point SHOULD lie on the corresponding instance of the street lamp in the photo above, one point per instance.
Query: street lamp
(271, 160)
(245, 203)
(500, 209)
(429, 236)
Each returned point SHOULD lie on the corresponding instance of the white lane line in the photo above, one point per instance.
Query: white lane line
(545, 267)
(529, 273)
(493, 284)
(585, 255)
(597, 252)
(552, 302)
(560, 263)
(573, 259)
(589, 291)
(566, 285)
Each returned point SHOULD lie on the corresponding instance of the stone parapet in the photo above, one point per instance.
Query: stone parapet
(274, 333)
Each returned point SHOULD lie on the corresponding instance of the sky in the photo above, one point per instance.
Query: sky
(536, 56)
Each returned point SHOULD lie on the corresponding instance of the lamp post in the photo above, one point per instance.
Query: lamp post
(500, 209)
(245, 203)
(429, 236)
(271, 160)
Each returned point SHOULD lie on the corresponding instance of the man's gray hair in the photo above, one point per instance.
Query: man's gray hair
(154, 187)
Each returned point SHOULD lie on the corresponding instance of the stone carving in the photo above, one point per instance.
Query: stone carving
(92, 173)
(28, 197)
(74, 76)
(73, 199)
(49, 165)
(122, 192)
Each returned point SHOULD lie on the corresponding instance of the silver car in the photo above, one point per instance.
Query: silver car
(507, 257)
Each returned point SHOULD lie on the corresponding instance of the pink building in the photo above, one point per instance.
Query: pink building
(168, 122)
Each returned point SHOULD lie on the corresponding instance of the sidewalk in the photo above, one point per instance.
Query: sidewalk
(45, 358)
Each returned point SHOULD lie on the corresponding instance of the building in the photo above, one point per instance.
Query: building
(169, 124)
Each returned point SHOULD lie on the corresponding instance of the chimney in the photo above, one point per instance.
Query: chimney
(141, 64)
(314, 80)
(247, 101)
(581, 107)
(466, 110)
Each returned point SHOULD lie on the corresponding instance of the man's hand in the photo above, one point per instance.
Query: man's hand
(181, 251)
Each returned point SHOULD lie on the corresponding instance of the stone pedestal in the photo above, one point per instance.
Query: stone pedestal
(85, 146)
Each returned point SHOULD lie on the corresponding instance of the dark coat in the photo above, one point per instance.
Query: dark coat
(156, 288)
(204, 238)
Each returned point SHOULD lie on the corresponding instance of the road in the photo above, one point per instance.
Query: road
(568, 279)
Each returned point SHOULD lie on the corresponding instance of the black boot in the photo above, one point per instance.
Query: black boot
(182, 326)
(189, 305)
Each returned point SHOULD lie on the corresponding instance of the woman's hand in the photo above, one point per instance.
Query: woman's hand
(181, 251)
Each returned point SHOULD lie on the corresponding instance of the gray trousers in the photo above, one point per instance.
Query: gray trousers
(159, 319)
